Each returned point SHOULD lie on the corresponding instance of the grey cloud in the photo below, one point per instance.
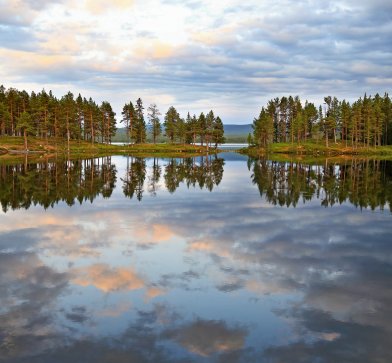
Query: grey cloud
(337, 342)
(18, 241)
(23, 13)
(42, 4)
(310, 49)
(78, 314)
(31, 288)
(231, 286)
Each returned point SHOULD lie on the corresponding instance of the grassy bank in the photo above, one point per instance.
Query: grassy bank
(318, 149)
(13, 147)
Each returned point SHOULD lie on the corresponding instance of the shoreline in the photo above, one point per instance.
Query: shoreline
(13, 148)
(311, 149)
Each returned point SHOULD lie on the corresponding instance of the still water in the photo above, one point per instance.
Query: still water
(219, 259)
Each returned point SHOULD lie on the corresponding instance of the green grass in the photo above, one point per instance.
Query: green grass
(9, 146)
(318, 149)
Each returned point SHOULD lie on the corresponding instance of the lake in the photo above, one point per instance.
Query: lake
(218, 259)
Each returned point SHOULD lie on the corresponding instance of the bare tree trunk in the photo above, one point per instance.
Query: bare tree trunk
(92, 127)
(68, 133)
(25, 138)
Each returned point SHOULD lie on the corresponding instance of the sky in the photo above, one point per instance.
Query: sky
(231, 56)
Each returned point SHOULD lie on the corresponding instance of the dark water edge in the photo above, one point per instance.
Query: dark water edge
(220, 259)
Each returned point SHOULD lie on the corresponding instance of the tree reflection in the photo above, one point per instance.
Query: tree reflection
(363, 183)
(49, 182)
(153, 179)
(134, 180)
(205, 172)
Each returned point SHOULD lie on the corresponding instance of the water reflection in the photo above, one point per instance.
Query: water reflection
(47, 183)
(204, 171)
(194, 276)
(363, 183)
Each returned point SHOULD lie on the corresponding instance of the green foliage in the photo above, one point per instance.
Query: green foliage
(68, 117)
(25, 123)
(128, 118)
(263, 129)
(367, 122)
(78, 118)
(172, 118)
(154, 122)
(364, 183)
(140, 132)
(218, 132)
(250, 139)
(202, 125)
(49, 182)
(5, 118)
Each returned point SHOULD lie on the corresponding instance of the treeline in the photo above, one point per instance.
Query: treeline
(44, 115)
(206, 129)
(366, 122)
(78, 118)
(363, 183)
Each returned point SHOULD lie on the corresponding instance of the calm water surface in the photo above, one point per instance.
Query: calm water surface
(197, 260)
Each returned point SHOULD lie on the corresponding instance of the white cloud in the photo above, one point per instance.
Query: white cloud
(234, 54)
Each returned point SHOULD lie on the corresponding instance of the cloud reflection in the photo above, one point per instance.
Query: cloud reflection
(208, 337)
(324, 274)
(108, 279)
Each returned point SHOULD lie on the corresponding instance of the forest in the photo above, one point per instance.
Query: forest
(77, 118)
(366, 122)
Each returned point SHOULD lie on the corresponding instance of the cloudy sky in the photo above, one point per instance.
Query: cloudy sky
(231, 56)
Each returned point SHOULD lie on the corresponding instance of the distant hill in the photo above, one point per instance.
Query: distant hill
(120, 135)
(233, 133)
(237, 130)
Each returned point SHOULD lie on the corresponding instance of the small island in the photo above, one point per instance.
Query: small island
(287, 126)
(42, 124)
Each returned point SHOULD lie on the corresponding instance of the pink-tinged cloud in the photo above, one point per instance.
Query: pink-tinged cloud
(108, 279)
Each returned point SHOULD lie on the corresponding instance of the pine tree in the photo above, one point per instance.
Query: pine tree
(25, 124)
(154, 122)
(181, 130)
(129, 119)
(263, 129)
(189, 129)
(172, 118)
(218, 132)
(310, 118)
(202, 127)
(5, 118)
(346, 121)
(209, 126)
(387, 121)
(68, 116)
(140, 124)
(108, 122)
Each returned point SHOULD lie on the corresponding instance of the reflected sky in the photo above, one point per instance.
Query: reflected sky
(195, 274)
